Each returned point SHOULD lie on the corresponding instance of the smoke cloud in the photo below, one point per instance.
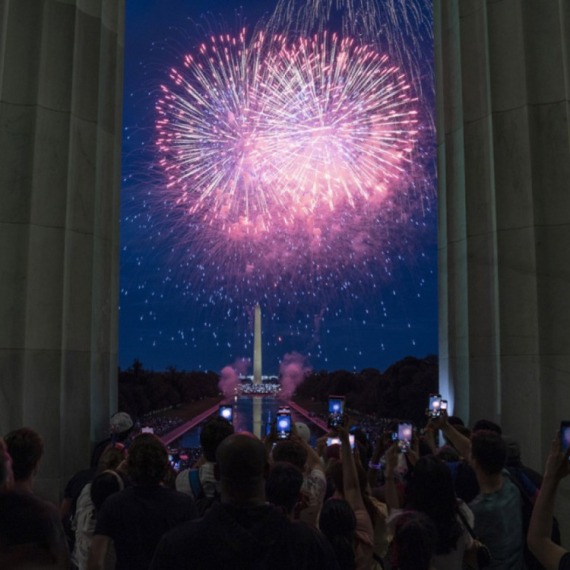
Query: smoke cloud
(292, 371)
(229, 376)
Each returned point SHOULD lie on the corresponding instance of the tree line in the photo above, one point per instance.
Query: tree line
(401, 391)
(142, 391)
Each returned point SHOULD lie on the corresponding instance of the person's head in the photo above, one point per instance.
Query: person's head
(455, 421)
(415, 539)
(111, 458)
(487, 425)
(242, 468)
(430, 490)
(214, 431)
(148, 460)
(292, 452)
(26, 448)
(121, 425)
(104, 485)
(6, 473)
(29, 535)
(448, 454)
(283, 486)
(488, 453)
(337, 522)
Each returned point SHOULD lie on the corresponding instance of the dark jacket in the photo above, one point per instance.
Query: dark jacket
(252, 538)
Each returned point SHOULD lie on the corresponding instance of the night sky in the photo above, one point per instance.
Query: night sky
(186, 302)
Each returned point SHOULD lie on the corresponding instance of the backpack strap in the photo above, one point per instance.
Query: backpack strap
(195, 484)
(514, 480)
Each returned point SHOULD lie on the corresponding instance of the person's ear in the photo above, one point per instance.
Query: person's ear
(217, 474)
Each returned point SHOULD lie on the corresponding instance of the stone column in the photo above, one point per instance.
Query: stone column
(503, 116)
(61, 75)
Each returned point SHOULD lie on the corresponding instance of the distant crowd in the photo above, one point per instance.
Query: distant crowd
(447, 498)
(264, 389)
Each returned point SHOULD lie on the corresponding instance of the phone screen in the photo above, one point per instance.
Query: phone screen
(336, 405)
(434, 405)
(336, 441)
(336, 411)
(283, 425)
(227, 412)
(565, 434)
(147, 430)
(405, 436)
(443, 405)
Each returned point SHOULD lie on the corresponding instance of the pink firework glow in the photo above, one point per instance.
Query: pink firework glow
(282, 137)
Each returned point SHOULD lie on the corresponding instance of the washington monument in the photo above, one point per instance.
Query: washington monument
(257, 346)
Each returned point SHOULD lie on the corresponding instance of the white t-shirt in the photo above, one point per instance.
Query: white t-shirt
(314, 488)
(207, 479)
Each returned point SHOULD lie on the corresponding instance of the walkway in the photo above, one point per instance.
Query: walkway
(178, 432)
(173, 435)
(317, 421)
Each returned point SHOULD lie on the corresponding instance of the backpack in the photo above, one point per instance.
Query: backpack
(526, 508)
(203, 503)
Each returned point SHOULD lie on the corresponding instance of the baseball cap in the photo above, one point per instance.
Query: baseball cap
(121, 422)
(303, 431)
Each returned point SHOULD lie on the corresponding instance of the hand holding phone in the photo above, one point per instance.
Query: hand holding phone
(405, 433)
(283, 424)
(434, 409)
(336, 441)
(337, 416)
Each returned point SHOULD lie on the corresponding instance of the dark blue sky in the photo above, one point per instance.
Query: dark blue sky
(168, 317)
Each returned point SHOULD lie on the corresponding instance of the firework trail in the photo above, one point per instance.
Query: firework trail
(401, 28)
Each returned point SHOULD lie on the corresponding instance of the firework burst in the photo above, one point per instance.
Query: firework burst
(253, 136)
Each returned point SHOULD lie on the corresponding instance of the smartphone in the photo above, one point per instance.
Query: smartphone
(443, 405)
(336, 411)
(405, 432)
(565, 434)
(336, 441)
(227, 412)
(283, 424)
(147, 430)
(434, 409)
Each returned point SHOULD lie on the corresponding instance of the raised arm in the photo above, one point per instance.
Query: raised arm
(540, 529)
(392, 499)
(382, 443)
(459, 441)
(352, 492)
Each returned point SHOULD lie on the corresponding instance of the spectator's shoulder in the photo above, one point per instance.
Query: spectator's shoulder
(564, 562)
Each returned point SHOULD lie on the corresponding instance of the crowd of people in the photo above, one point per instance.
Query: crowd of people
(450, 498)
(159, 425)
(265, 389)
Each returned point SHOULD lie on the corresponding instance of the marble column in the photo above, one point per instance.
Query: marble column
(503, 116)
(61, 75)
